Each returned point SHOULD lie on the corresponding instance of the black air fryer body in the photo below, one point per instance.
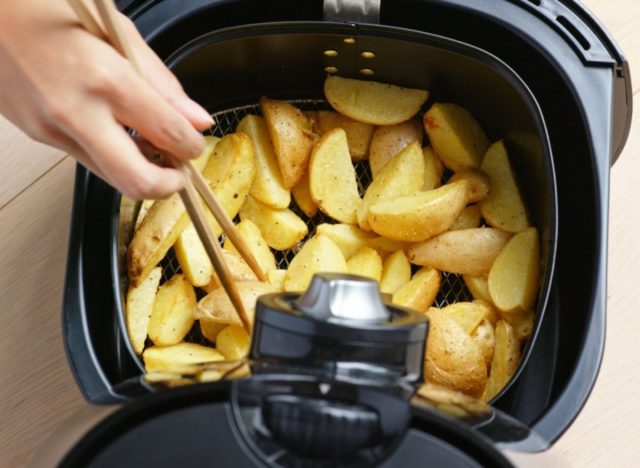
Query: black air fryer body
(567, 61)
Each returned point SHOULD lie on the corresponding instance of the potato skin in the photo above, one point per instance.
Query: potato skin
(389, 140)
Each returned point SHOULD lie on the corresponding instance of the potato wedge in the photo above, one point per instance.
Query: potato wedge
(138, 308)
(514, 278)
(455, 135)
(372, 102)
(282, 229)
(358, 134)
(292, 138)
(506, 357)
(420, 292)
(365, 262)
(468, 314)
(210, 329)
(302, 195)
(201, 161)
(504, 207)
(385, 246)
(454, 359)
(332, 177)
(477, 183)
(478, 287)
(349, 238)
(192, 257)
(484, 336)
(276, 278)
(142, 213)
(418, 217)
(522, 323)
(159, 358)
(318, 254)
(268, 186)
(389, 140)
(468, 218)
(172, 318)
(396, 272)
(465, 251)
(402, 176)
(257, 244)
(217, 307)
(240, 270)
(233, 342)
(433, 169)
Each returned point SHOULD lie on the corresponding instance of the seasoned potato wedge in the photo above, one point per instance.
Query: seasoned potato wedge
(484, 336)
(240, 270)
(268, 186)
(201, 161)
(455, 135)
(402, 176)
(192, 257)
(172, 318)
(515, 275)
(138, 308)
(318, 254)
(302, 195)
(332, 177)
(159, 358)
(418, 217)
(142, 212)
(477, 183)
(359, 134)
(465, 251)
(255, 242)
(349, 238)
(276, 278)
(468, 314)
(210, 329)
(454, 359)
(478, 287)
(433, 169)
(504, 207)
(506, 357)
(282, 229)
(396, 272)
(389, 140)
(216, 306)
(385, 246)
(365, 262)
(233, 342)
(373, 102)
(468, 218)
(292, 138)
(420, 292)
(522, 323)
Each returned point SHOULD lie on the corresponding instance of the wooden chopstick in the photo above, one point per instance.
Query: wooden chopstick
(107, 11)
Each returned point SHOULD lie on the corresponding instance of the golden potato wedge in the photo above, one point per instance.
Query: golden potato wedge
(506, 357)
(477, 183)
(522, 323)
(484, 336)
(268, 186)
(515, 274)
(332, 177)
(142, 213)
(396, 272)
(159, 358)
(172, 318)
(385, 246)
(455, 135)
(359, 134)
(454, 359)
(372, 102)
(403, 175)
(468, 314)
(276, 278)
(192, 257)
(240, 270)
(318, 254)
(201, 161)
(233, 342)
(210, 329)
(292, 138)
(138, 308)
(418, 217)
(389, 140)
(257, 244)
(477, 286)
(217, 307)
(465, 251)
(349, 238)
(282, 229)
(468, 218)
(433, 169)
(365, 262)
(420, 292)
(302, 195)
(504, 207)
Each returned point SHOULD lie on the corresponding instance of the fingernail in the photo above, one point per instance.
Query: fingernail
(199, 112)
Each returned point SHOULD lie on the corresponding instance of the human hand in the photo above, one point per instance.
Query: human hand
(64, 87)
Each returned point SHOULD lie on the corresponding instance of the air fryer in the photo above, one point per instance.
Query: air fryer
(543, 75)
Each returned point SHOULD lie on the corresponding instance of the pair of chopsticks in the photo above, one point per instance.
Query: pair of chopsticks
(194, 182)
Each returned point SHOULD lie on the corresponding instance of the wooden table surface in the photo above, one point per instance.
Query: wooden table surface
(37, 390)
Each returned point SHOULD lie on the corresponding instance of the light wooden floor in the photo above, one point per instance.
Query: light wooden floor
(37, 390)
